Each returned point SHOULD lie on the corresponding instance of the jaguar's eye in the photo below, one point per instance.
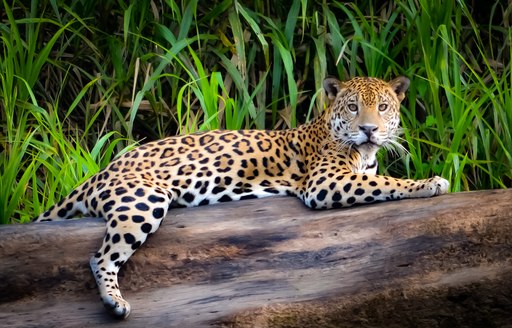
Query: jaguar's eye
(383, 107)
(352, 107)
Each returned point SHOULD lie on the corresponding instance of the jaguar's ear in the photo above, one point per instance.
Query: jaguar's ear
(332, 87)
(399, 86)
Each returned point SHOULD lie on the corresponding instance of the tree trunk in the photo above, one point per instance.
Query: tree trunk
(273, 262)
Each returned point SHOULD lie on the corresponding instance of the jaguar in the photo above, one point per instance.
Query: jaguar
(329, 162)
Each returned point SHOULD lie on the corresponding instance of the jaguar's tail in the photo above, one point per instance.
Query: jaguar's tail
(67, 208)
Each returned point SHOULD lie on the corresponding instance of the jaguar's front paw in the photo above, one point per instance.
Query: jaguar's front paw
(117, 307)
(439, 185)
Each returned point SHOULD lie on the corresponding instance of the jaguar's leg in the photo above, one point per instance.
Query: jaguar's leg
(128, 226)
(348, 189)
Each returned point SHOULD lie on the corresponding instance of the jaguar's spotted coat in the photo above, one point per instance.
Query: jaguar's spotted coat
(327, 163)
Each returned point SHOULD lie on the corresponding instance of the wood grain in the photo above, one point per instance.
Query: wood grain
(207, 264)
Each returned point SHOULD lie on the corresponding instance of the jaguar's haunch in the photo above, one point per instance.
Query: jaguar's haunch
(329, 162)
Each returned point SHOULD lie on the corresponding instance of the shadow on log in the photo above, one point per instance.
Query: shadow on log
(439, 262)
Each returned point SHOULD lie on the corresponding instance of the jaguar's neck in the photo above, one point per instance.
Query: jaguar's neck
(313, 134)
(361, 159)
(320, 126)
(364, 159)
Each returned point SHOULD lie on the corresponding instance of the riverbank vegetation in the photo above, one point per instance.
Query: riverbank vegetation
(83, 82)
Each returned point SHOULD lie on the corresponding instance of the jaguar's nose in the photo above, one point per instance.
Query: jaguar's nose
(368, 129)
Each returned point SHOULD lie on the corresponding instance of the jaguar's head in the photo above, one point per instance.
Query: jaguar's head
(365, 111)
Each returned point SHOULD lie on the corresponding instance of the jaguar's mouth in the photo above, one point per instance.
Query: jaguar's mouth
(369, 143)
(368, 146)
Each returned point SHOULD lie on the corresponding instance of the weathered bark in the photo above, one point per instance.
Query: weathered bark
(207, 264)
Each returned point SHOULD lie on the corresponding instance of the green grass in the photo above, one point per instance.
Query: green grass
(84, 82)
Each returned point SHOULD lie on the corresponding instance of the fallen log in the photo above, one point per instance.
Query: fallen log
(273, 262)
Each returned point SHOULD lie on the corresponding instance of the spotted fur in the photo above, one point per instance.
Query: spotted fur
(327, 163)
